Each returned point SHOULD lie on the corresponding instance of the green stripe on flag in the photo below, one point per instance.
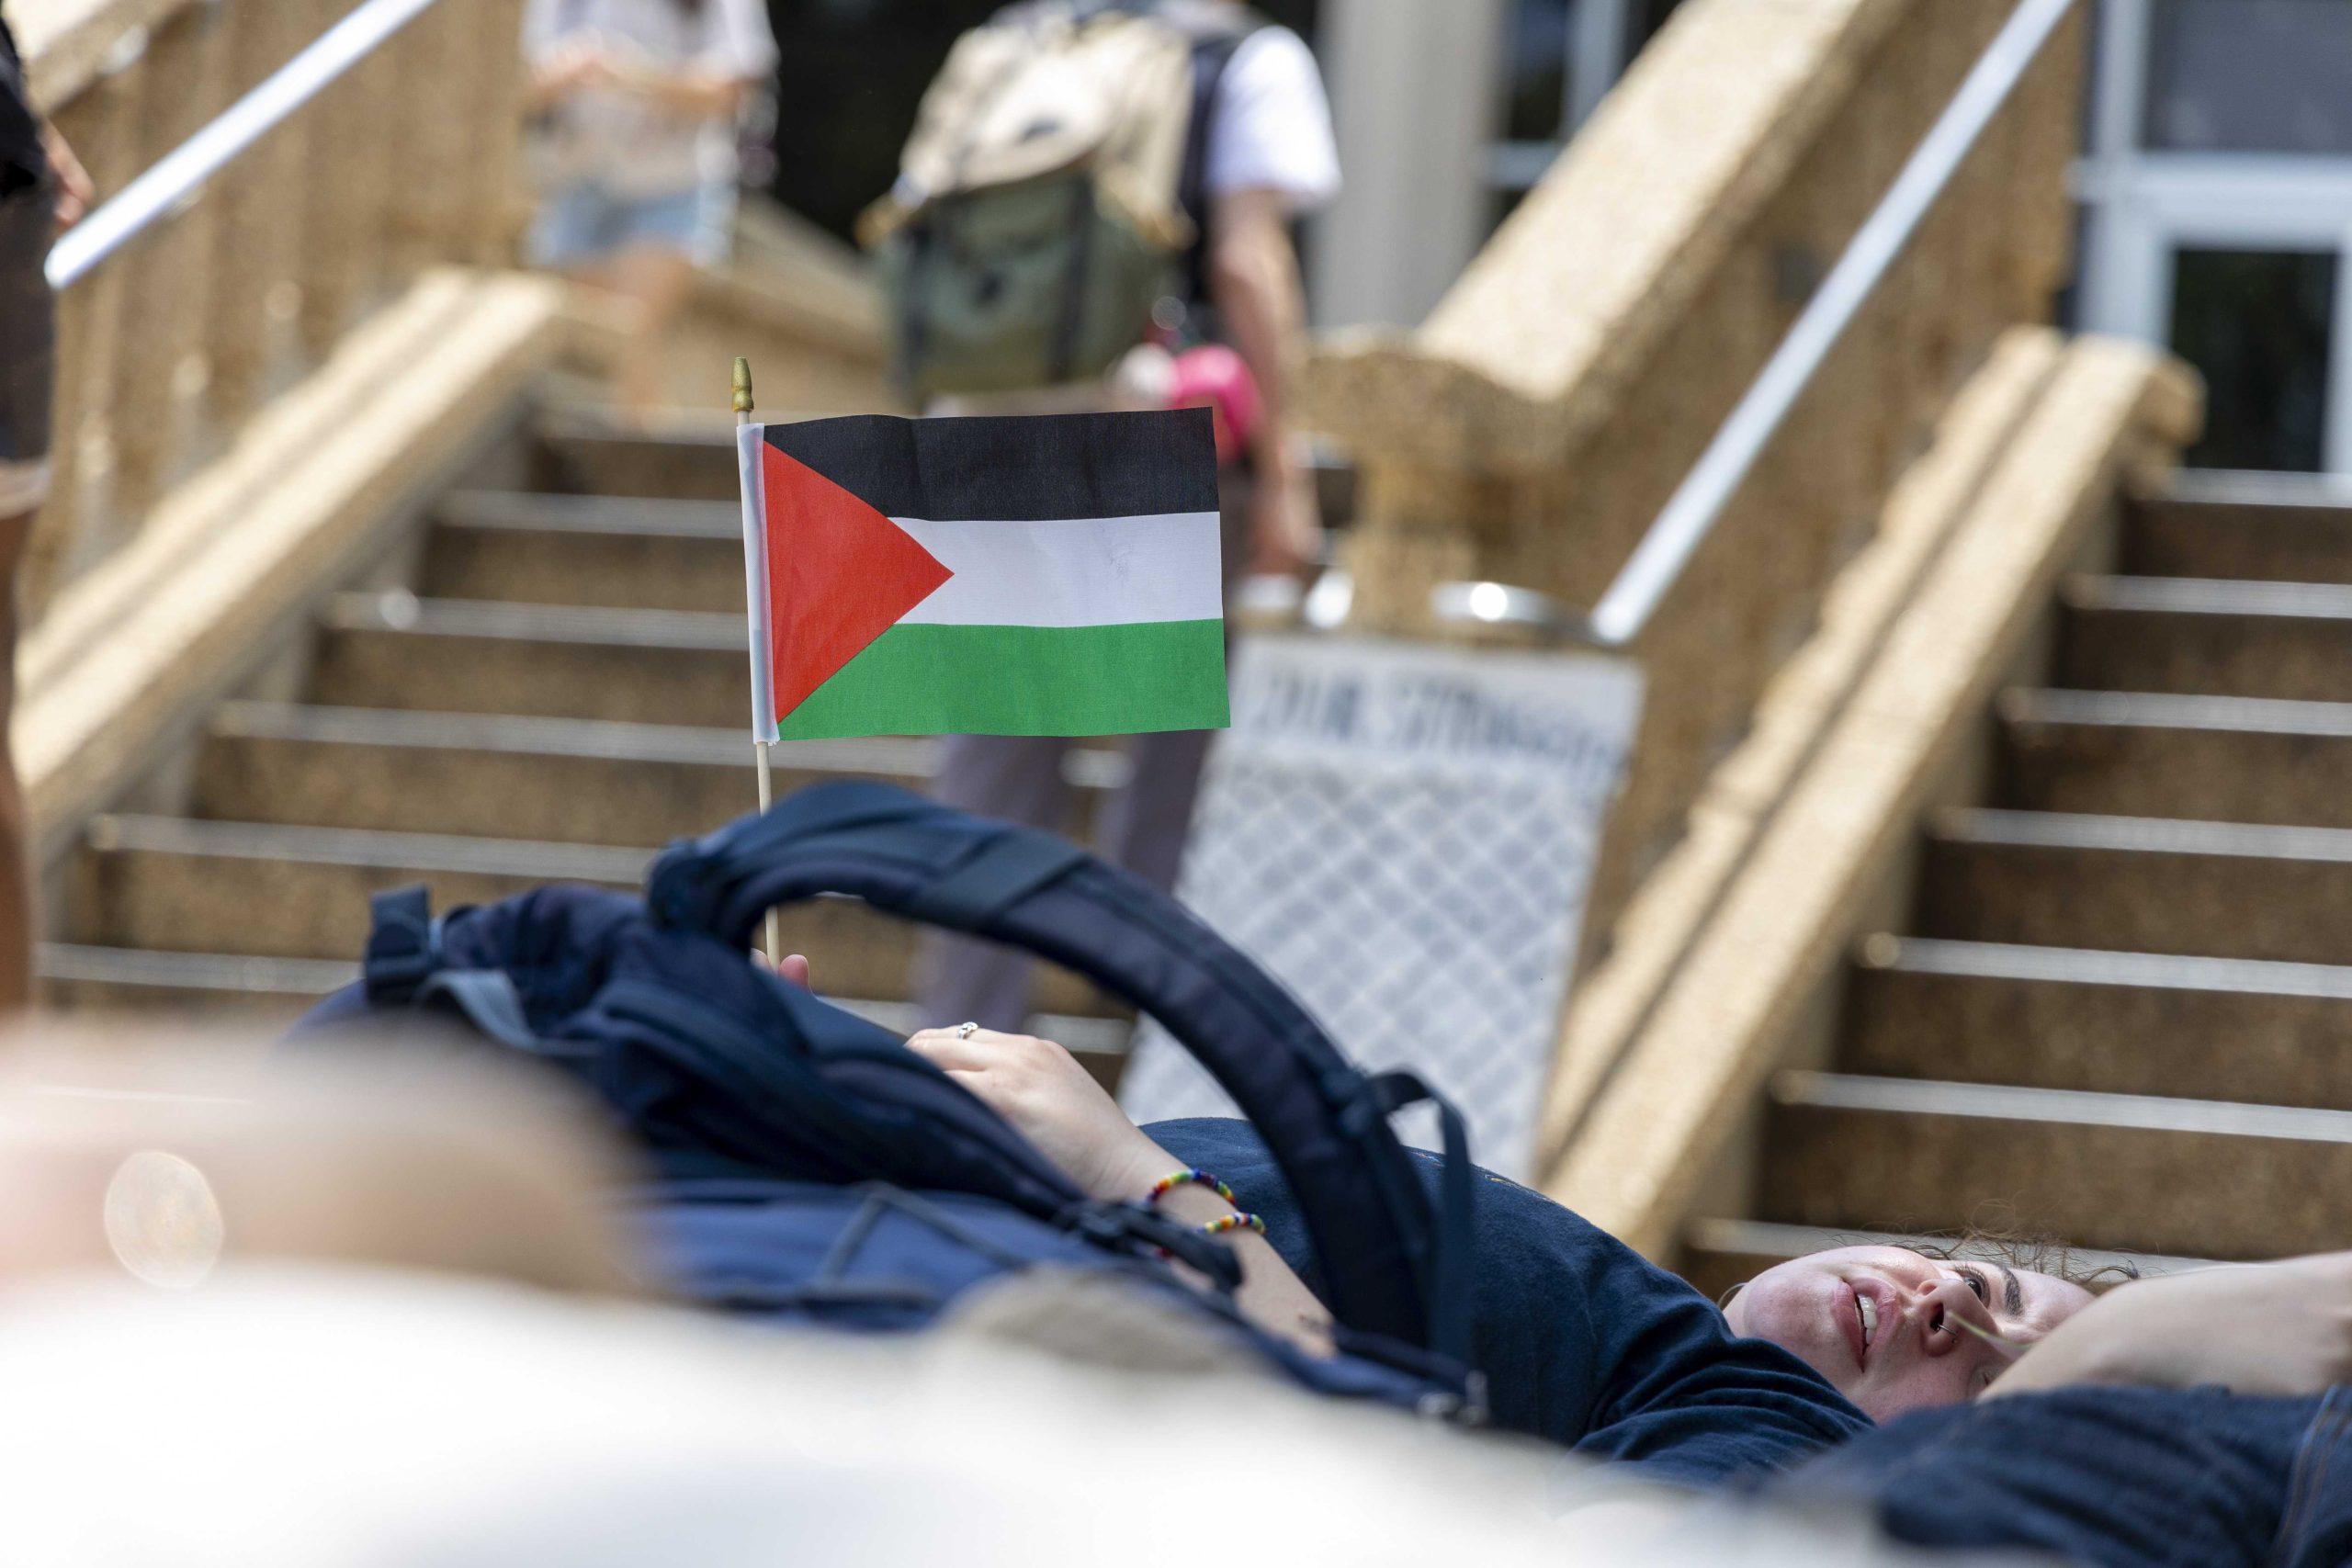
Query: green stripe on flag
(950, 680)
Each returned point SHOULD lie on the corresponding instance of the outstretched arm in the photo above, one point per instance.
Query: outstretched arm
(2258, 1328)
(1040, 1089)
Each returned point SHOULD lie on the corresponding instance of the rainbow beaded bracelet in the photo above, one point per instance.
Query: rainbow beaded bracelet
(1190, 1175)
(1235, 1221)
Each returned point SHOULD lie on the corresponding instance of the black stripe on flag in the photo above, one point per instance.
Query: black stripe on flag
(1027, 469)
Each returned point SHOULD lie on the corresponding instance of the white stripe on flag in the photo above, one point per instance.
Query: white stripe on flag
(749, 443)
(1078, 571)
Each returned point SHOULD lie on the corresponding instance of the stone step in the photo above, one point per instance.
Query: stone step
(393, 651)
(175, 884)
(520, 547)
(2125, 1173)
(2289, 640)
(1718, 1256)
(2139, 885)
(271, 992)
(2275, 527)
(230, 988)
(255, 889)
(588, 454)
(2224, 1029)
(481, 777)
(2152, 754)
(496, 776)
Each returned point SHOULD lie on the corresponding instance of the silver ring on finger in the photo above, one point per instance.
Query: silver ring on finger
(966, 1031)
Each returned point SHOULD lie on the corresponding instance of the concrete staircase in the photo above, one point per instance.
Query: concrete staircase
(555, 688)
(2120, 1013)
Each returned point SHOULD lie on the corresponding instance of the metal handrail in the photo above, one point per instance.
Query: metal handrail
(1698, 504)
(179, 177)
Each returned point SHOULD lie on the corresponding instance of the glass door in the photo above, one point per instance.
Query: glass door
(2217, 195)
(2260, 327)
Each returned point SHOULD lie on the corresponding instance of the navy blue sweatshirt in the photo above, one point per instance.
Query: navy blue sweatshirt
(1582, 1339)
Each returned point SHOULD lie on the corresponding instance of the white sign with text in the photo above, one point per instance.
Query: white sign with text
(1404, 836)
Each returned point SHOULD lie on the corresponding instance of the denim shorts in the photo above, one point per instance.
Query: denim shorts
(27, 346)
(2114, 1477)
(586, 222)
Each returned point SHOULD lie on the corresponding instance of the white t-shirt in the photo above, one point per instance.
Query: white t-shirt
(617, 139)
(1273, 124)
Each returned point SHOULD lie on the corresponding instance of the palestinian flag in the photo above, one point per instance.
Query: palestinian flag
(1052, 575)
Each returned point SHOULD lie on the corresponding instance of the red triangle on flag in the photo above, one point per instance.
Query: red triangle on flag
(840, 574)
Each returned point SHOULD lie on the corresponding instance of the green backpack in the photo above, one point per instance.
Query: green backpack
(1043, 218)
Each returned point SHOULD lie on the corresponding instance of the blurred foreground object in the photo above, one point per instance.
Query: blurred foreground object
(324, 1418)
(168, 1175)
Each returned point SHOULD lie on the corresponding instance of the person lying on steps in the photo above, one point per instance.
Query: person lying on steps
(1583, 1340)
(2194, 1418)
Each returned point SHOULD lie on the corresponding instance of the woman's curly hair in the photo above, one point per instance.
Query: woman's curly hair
(2037, 1253)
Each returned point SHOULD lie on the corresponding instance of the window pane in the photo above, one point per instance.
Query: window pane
(2250, 75)
(1536, 66)
(2258, 324)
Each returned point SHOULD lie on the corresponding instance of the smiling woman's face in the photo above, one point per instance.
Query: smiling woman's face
(1893, 1329)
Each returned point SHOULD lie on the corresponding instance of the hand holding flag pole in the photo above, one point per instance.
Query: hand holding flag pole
(759, 747)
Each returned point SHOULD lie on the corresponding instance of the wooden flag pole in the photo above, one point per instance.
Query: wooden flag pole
(759, 747)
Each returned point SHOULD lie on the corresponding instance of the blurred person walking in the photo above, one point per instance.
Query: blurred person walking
(1035, 121)
(635, 106)
(44, 191)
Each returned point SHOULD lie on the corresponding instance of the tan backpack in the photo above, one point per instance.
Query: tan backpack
(1042, 213)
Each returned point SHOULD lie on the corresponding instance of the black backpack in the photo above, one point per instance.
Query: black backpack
(816, 1170)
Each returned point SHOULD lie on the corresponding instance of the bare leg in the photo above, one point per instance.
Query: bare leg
(656, 283)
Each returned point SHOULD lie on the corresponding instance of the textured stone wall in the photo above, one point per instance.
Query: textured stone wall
(166, 350)
(1650, 1096)
(1532, 429)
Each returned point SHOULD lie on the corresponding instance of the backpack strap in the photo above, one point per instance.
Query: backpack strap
(404, 945)
(1367, 1215)
(1457, 1192)
(402, 967)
